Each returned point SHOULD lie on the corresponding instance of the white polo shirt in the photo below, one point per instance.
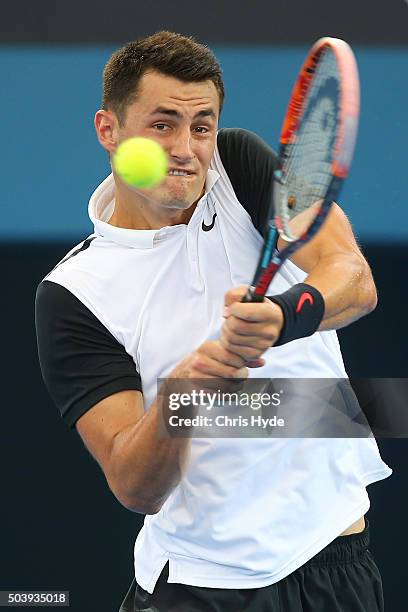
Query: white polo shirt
(124, 307)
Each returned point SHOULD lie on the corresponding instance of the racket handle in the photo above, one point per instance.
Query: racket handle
(251, 296)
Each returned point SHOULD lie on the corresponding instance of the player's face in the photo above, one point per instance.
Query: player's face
(182, 118)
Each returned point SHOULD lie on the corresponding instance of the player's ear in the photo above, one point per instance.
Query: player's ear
(107, 129)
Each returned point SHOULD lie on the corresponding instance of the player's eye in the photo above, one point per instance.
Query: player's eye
(201, 129)
(161, 127)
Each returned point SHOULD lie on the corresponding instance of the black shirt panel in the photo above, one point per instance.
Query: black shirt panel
(81, 361)
(249, 162)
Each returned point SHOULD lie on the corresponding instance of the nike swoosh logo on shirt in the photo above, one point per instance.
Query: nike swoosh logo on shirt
(207, 228)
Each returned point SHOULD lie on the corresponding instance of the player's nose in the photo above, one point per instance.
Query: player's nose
(180, 147)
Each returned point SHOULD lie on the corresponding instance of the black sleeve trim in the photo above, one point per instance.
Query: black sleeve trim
(81, 362)
(249, 163)
(85, 245)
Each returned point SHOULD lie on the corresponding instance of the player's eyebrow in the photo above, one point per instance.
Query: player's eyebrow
(170, 112)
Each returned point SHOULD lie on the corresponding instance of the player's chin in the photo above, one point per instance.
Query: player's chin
(175, 200)
(180, 196)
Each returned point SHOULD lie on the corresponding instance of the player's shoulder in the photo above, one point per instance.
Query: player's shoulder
(54, 302)
(244, 145)
(77, 260)
(78, 250)
(73, 344)
(53, 292)
(249, 164)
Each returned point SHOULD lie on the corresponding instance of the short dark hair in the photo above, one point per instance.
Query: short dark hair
(167, 52)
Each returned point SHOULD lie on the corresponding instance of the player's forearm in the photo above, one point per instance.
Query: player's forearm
(145, 466)
(146, 463)
(346, 284)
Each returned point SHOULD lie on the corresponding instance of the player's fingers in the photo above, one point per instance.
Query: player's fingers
(256, 363)
(218, 351)
(202, 362)
(205, 365)
(247, 311)
(235, 295)
(261, 342)
(247, 353)
(234, 328)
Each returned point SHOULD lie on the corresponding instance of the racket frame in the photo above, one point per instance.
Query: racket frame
(349, 105)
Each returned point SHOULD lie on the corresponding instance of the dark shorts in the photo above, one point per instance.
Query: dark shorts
(343, 577)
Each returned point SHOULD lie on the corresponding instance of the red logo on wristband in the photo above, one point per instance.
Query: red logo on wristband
(305, 297)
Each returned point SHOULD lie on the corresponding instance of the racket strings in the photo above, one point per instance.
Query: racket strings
(308, 169)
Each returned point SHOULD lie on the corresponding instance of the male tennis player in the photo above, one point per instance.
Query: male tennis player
(232, 524)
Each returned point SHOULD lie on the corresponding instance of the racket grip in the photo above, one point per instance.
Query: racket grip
(251, 296)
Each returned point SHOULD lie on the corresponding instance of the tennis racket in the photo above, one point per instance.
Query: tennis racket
(315, 153)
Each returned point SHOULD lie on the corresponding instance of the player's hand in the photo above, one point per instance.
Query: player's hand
(209, 368)
(249, 328)
(210, 360)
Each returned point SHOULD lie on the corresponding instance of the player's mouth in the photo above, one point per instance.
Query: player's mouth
(179, 172)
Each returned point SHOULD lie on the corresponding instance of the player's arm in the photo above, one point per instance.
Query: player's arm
(141, 466)
(335, 265)
(338, 269)
(94, 383)
(140, 469)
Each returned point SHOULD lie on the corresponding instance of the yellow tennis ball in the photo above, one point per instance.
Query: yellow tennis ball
(140, 162)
